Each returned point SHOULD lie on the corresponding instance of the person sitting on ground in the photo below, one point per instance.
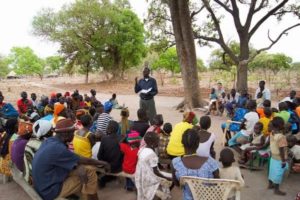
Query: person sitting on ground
(7, 111)
(58, 172)
(222, 103)
(125, 124)
(104, 118)
(231, 104)
(283, 112)
(6, 142)
(260, 110)
(243, 98)
(99, 110)
(259, 141)
(130, 150)
(94, 98)
(34, 101)
(278, 163)
(266, 120)
(248, 123)
(18, 147)
(87, 101)
(110, 151)
(291, 97)
(213, 98)
(207, 139)
(142, 124)
(295, 152)
(23, 104)
(164, 138)
(175, 147)
(228, 171)
(150, 182)
(191, 164)
(83, 139)
(58, 114)
(238, 116)
(114, 101)
(44, 101)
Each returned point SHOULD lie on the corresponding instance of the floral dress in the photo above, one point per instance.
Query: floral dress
(147, 183)
(205, 171)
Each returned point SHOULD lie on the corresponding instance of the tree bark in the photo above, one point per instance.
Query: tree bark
(87, 73)
(242, 77)
(185, 47)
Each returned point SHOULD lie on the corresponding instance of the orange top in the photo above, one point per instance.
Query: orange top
(260, 112)
(298, 111)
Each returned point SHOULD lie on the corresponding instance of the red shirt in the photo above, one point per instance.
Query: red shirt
(22, 106)
(130, 158)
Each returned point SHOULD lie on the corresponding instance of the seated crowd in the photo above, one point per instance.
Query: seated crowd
(62, 144)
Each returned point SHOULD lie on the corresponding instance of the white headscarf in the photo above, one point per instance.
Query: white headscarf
(44, 127)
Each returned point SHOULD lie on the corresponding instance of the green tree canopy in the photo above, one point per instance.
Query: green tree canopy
(4, 70)
(55, 63)
(24, 61)
(94, 34)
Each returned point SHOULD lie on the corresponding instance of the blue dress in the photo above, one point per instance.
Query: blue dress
(205, 171)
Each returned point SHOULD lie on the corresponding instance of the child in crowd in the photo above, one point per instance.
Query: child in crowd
(156, 127)
(34, 101)
(247, 126)
(164, 141)
(228, 171)
(110, 151)
(207, 139)
(283, 112)
(130, 152)
(259, 141)
(265, 120)
(18, 147)
(260, 110)
(125, 124)
(142, 124)
(114, 101)
(104, 118)
(83, 139)
(295, 152)
(222, 102)
(278, 162)
(213, 97)
(150, 182)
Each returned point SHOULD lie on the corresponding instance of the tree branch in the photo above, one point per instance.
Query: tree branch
(261, 5)
(266, 16)
(273, 42)
(236, 15)
(194, 13)
(250, 15)
(224, 6)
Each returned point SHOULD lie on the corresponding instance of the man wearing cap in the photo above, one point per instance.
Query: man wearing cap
(58, 172)
(147, 88)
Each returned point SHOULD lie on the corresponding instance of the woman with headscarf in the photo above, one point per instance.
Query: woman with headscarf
(175, 147)
(58, 114)
(5, 145)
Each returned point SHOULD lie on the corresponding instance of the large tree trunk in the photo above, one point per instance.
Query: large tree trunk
(185, 46)
(242, 68)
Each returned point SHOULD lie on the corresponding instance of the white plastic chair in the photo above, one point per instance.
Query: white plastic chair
(211, 189)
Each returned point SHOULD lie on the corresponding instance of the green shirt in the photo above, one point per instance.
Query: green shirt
(285, 115)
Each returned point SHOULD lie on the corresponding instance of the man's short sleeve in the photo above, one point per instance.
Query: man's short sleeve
(66, 159)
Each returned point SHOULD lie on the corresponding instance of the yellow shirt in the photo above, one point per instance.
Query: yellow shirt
(265, 121)
(175, 147)
(82, 145)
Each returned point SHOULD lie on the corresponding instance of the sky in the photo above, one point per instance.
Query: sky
(16, 30)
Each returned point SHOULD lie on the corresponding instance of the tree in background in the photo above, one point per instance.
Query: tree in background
(4, 70)
(168, 60)
(24, 61)
(55, 63)
(94, 34)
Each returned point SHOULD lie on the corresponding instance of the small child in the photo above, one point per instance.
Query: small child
(259, 142)
(213, 97)
(164, 141)
(148, 179)
(114, 101)
(278, 146)
(130, 151)
(266, 120)
(295, 151)
(158, 121)
(228, 171)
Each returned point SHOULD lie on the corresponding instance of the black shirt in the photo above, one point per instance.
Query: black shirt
(145, 84)
(140, 126)
(110, 152)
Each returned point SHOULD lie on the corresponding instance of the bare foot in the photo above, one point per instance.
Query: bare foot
(271, 186)
(278, 192)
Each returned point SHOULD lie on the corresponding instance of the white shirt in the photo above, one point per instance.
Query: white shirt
(204, 148)
(296, 151)
(266, 93)
(251, 119)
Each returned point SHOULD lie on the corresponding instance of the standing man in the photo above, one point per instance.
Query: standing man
(262, 92)
(147, 88)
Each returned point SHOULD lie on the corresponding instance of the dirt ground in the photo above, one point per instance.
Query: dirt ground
(256, 181)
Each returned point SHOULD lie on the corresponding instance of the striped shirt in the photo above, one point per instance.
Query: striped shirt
(102, 122)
